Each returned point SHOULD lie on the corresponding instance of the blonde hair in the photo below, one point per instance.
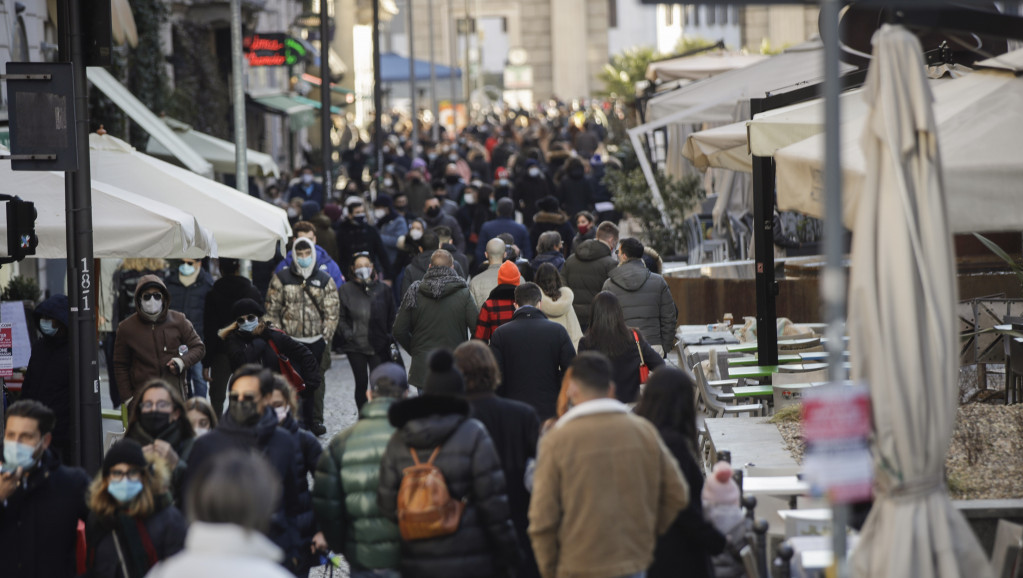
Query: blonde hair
(138, 264)
(155, 481)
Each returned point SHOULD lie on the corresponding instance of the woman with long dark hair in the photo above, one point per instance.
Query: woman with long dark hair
(159, 423)
(669, 402)
(625, 346)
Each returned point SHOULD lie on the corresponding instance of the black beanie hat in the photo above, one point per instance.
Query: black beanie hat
(443, 378)
(247, 307)
(124, 451)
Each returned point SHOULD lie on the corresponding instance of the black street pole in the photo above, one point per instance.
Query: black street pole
(87, 445)
(378, 92)
(325, 121)
(763, 245)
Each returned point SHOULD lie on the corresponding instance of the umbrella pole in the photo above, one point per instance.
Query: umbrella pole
(325, 121)
(412, 81)
(833, 282)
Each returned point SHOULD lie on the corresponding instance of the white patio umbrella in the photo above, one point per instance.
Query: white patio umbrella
(219, 152)
(979, 122)
(245, 227)
(902, 326)
(699, 66)
(124, 224)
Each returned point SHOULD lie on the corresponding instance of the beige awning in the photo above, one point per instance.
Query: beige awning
(699, 66)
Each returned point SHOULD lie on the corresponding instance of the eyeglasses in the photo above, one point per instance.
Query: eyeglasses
(148, 296)
(162, 405)
(133, 474)
(246, 319)
(240, 397)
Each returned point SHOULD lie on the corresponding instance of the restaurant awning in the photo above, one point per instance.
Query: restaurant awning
(219, 152)
(699, 66)
(300, 114)
(149, 122)
(316, 104)
(394, 68)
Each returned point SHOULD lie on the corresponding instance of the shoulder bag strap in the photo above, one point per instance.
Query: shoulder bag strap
(147, 543)
(638, 348)
(315, 303)
(415, 456)
(433, 456)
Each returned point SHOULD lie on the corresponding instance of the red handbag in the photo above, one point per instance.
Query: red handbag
(287, 370)
(644, 371)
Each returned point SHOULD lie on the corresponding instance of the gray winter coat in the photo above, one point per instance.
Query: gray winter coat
(585, 272)
(646, 301)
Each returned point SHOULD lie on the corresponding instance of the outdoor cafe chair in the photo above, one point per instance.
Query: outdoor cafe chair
(714, 407)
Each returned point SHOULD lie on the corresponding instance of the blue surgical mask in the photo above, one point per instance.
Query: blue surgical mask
(19, 455)
(186, 269)
(125, 490)
(304, 262)
(249, 326)
(47, 327)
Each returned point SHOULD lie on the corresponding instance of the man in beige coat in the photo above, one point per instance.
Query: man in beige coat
(605, 485)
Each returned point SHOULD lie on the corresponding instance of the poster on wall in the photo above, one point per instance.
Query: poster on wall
(14, 314)
(6, 350)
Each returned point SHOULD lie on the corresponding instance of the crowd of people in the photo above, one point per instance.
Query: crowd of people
(536, 431)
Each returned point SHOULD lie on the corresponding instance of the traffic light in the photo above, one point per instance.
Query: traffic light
(21, 229)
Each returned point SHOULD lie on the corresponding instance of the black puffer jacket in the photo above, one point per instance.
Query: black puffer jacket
(217, 313)
(46, 380)
(485, 543)
(242, 347)
(585, 272)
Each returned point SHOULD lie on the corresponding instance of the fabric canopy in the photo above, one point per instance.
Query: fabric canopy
(244, 226)
(219, 152)
(123, 224)
(699, 66)
(299, 114)
(980, 120)
(903, 337)
(394, 68)
(149, 122)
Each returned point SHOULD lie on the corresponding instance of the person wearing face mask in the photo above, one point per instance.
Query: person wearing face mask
(502, 184)
(252, 339)
(46, 380)
(306, 189)
(530, 188)
(188, 287)
(436, 216)
(284, 404)
(367, 315)
(41, 500)
(391, 224)
(250, 424)
(159, 423)
(355, 235)
(417, 187)
(575, 191)
(586, 225)
(156, 342)
(454, 185)
(440, 192)
(201, 415)
(132, 523)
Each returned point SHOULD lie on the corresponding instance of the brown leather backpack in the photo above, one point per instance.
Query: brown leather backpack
(425, 508)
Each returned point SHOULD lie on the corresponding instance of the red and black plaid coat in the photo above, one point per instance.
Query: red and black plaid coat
(497, 310)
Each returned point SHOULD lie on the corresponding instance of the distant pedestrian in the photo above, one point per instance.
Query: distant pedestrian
(42, 500)
(49, 369)
(645, 297)
(557, 300)
(436, 312)
(549, 217)
(348, 479)
(504, 223)
(532, 352)
(499, 307)
(625, 347)
(307, 189)
(367, 316)
(605, 485)
(188, 286)
(355, 235)
(322, 258)
(435, 217)
(586, 225)
(588, 267)
(436, 427)
(133, 523)
(230, 505)
(392, 226)
(549, 250)
(575, 191)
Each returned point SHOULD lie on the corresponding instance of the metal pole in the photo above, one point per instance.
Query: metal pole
(412, 81)
(466, 77)
(378, 93)
(763, 245)
(87, 448)
(241, 165)
(833, 284)
(325, 121)
(435, 127)
(453, 47)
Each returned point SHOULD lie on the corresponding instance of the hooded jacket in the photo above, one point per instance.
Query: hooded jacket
(585, 272)
(484, 544)
(144, 346)
(225, 292)
(48, 376)
(646, 301)
(345, 492)
(324, 262)
(435, 312)
(282, 450)
(306, 308)
(38, 522)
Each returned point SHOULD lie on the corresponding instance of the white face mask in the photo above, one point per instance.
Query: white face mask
(201, 431)
(282, 413)
(416, 234)
(534, 172)
(152, 306)
(379, 213)
(469, 199)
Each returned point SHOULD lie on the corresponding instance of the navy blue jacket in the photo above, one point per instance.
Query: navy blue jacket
(190, 300)
(500, 225)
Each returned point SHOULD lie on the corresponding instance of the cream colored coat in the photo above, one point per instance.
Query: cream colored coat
(561, 311)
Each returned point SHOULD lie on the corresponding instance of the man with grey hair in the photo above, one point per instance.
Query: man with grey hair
(437, 311)
(482, 284)
(344, 499)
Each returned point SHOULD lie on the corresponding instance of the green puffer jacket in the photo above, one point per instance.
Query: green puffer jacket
(345, 492)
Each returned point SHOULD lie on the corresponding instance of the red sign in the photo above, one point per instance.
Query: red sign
(6, 350)
(265, 49)
(836, 425)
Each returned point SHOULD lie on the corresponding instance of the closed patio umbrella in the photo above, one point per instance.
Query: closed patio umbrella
(902, 325)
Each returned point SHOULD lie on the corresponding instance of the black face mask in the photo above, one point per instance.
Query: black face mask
(451, 179)
(154, 422)
(244, 412)
(416, 180)
(432, 212)
(400, 209)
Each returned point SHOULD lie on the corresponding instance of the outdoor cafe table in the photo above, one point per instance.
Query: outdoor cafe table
(788, 487)
(751, 347)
